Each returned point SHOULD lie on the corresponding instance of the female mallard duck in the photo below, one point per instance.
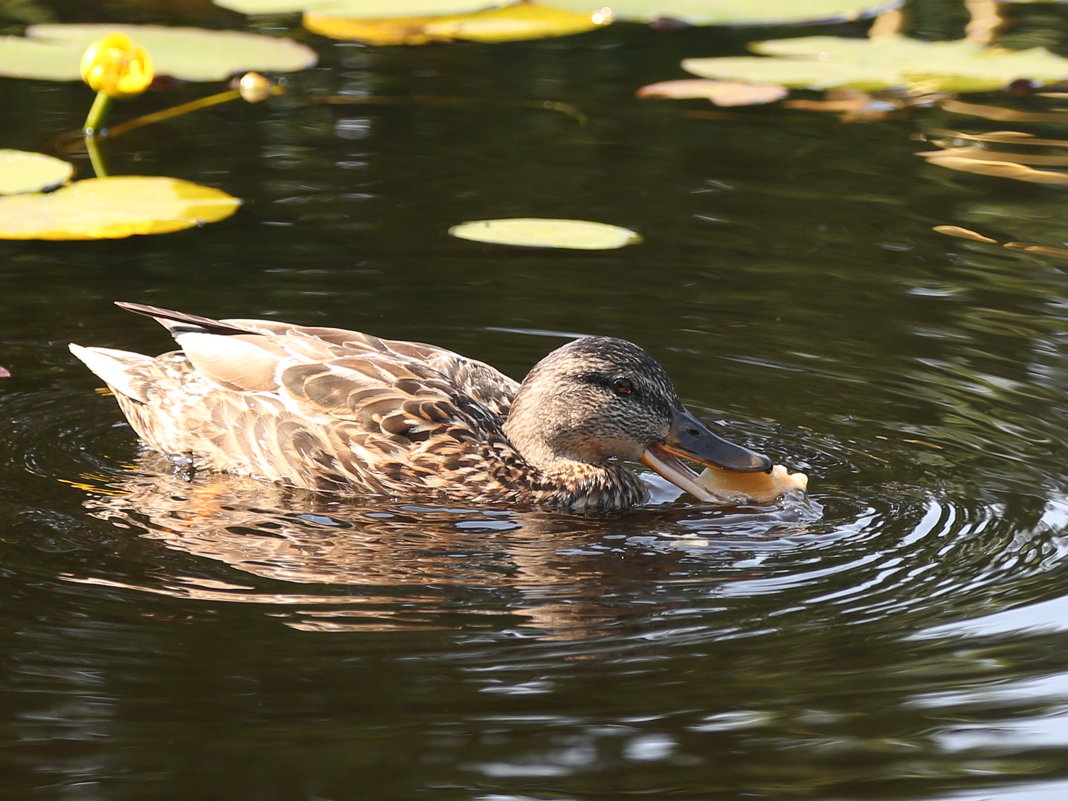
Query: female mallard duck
(335, 410)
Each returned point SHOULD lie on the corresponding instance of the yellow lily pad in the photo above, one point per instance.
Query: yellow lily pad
(53, 52)
(538, 232)
(825, 62)
(363, 9)
(31, 172)
(736, 12)
(113, 208)
(513, 23)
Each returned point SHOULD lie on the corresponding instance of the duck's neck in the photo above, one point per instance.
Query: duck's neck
(585, 488)
(570, 470)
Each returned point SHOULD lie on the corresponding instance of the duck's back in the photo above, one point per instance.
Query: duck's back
(320, 408)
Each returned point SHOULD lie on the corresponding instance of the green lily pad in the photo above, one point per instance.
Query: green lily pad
(113, 208)
(53, 52)
(363, 9)
(794, 73)
(736, 12)
(826, 62)
(547, 233)
(31, 172)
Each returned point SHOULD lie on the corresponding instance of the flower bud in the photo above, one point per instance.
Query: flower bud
(116, 66)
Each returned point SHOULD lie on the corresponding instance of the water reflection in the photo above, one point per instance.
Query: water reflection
(382, 565)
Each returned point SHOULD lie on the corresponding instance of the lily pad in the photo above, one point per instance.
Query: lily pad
(736, 12)
(363, 9)
(31, 172)
(513, 23)
(721, 93)
(53, 52)
(824, 62)
(113, 208)
(547, 233)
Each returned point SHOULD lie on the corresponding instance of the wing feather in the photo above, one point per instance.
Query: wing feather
(327, 408)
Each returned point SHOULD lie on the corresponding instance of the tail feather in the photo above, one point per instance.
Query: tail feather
(180, 322)
(122, 370)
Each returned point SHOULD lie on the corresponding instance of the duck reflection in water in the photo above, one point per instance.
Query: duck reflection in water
(403, 566)
(339, 411)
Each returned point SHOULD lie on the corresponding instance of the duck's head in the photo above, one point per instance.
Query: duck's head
(599, 398)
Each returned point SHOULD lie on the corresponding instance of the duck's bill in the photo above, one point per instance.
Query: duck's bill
(690, 439)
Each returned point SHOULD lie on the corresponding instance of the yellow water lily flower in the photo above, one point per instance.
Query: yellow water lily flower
(117, 66)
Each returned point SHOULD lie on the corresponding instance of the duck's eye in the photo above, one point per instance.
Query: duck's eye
(623, 386)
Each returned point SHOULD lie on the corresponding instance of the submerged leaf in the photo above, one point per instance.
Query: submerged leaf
(112, 208)
(736, 12)
(547, 233)
(31, 172)
(53, 52)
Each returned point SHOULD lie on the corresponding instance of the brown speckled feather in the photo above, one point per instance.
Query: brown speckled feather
(335, 410)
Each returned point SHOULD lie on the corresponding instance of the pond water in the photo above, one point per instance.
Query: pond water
(901, 635)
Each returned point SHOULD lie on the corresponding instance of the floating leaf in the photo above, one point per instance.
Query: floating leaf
(1011, 137)
(963, 233)
(363, 9)
(54, 52)
(999, 169)
(547, 233)
(31, 172)
(1025, 247)
(112, 208)
(1000, 114)
(721, 93)
(736, 12)
(1038, 250)
(824, 62)
(513, 23)
(1042, 159)
(853, 104)
(793, 72)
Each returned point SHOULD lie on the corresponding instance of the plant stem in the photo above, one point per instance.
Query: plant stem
(174, 111)
(95, 158)
(96, 114)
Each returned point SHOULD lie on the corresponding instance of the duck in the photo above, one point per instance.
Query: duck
(338, 411)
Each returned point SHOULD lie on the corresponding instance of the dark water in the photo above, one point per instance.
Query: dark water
(901, 637)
